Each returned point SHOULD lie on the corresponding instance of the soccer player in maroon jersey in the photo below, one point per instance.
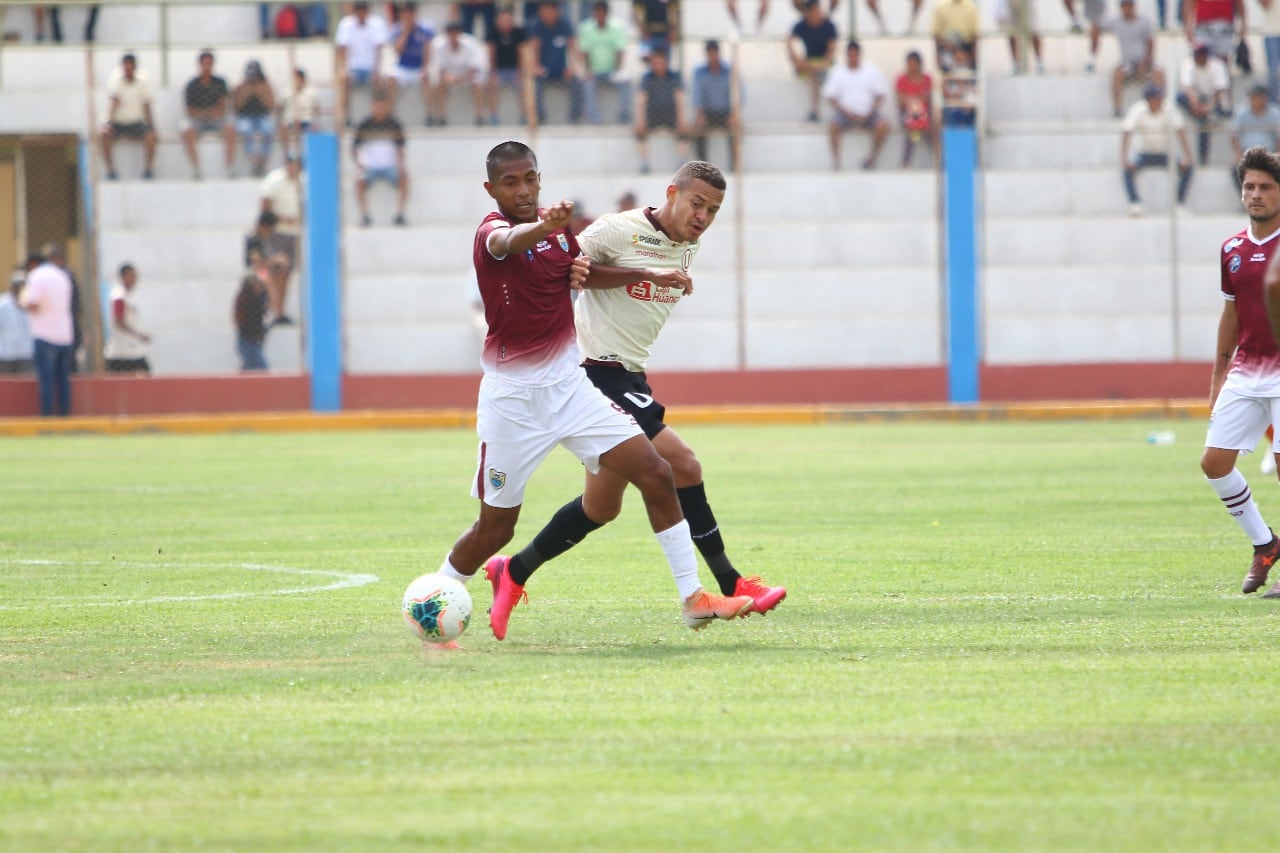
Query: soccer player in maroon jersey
(1244, 392)
(534, 395)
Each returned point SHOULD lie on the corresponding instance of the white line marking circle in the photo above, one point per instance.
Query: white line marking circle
(344, 580)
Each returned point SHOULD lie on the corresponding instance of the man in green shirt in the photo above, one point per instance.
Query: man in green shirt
(602, 42)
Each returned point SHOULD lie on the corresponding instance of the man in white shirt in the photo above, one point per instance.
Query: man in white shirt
(1152, 125)
(47, 300)
(128, 114)
(856, 92)
(360, 38)
(457, 59)
(1204, 93)
(281, 193)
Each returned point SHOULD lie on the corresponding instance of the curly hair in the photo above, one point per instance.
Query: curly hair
(1258, 159)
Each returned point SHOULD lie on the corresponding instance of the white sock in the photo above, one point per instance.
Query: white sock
(450, 572)
(1236, 496)
(677, 546)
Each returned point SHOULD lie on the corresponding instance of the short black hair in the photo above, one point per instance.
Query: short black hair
(852, 44)
(505, 152)
(1258, 159)
(699, 170)
(268, 218)
(127, 267)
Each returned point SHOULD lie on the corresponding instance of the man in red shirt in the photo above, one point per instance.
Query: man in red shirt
(1244, 391)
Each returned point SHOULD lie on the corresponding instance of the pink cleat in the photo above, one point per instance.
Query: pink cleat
(764, 598)
(506, 595)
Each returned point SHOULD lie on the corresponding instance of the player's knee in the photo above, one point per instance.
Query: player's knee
(493, 533)
(1215, 467)
(686, 469)
(600, 510)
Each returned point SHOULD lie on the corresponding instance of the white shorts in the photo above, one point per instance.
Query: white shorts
(409, 76)
(519, 426)
(1237, 422)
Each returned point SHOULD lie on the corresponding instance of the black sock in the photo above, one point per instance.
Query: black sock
(706, 535)
(567, 528)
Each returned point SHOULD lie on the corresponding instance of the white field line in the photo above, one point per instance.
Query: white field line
(344, 580)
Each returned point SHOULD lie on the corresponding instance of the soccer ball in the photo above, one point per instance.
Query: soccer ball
(437, 608)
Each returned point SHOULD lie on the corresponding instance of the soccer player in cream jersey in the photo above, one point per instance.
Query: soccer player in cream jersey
(1244, 391)
(622, 308)
(534, 395)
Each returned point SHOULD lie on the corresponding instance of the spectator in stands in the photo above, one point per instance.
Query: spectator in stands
(508, 61)
(856, 92)
(658, 25)
(457, 59)
(603, 42)
(1135, 35)
(1204, 93)
(206, 99)
(254, 103)
(379, 152)
(1095, 14)
(129, 115)
(280, 194)
(55, 21)
(554, 49)
(47, 301)
(1019, 21)
(811, 47)
(914, 92)
(1271, 47)
(361, 38)
(16, 345)
(1257, 123)
(294, 21)
(298, 109)
(468, 11)
(411, 41)
(1216, 23)
(249, 314)
(659, 104)
(955, 27)
(1151, 124)
(714, 104)
(126, 347)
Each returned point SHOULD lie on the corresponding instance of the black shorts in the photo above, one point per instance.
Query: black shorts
(631, 391)
(130, 130)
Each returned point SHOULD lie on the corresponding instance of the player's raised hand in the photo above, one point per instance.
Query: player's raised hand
(678, 279)
(557, 215)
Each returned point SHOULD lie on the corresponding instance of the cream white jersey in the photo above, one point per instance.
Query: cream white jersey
(620, 324)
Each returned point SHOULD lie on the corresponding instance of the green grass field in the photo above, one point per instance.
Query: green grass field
(998, 636)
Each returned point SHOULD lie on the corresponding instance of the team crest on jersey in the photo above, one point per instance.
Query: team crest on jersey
(563, 241)
(497, 478)
(686, 259)
(1233, 264)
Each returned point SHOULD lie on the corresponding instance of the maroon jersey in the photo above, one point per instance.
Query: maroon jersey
(1256, 368)
(531, 339)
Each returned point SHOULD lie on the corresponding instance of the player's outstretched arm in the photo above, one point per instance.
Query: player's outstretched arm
(526, 235)
(603, 277)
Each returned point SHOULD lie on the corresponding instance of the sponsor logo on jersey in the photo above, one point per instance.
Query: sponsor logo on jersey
(497, 478)
(647, 253)
(563, 241)
(1232, 243)
(1233, 264)
(646, 239)
(647, 291)
(1259, 257)
(543, 246)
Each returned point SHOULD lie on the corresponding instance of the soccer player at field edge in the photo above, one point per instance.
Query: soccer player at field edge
(534, 395)
(1244, 392)
(623, 306)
